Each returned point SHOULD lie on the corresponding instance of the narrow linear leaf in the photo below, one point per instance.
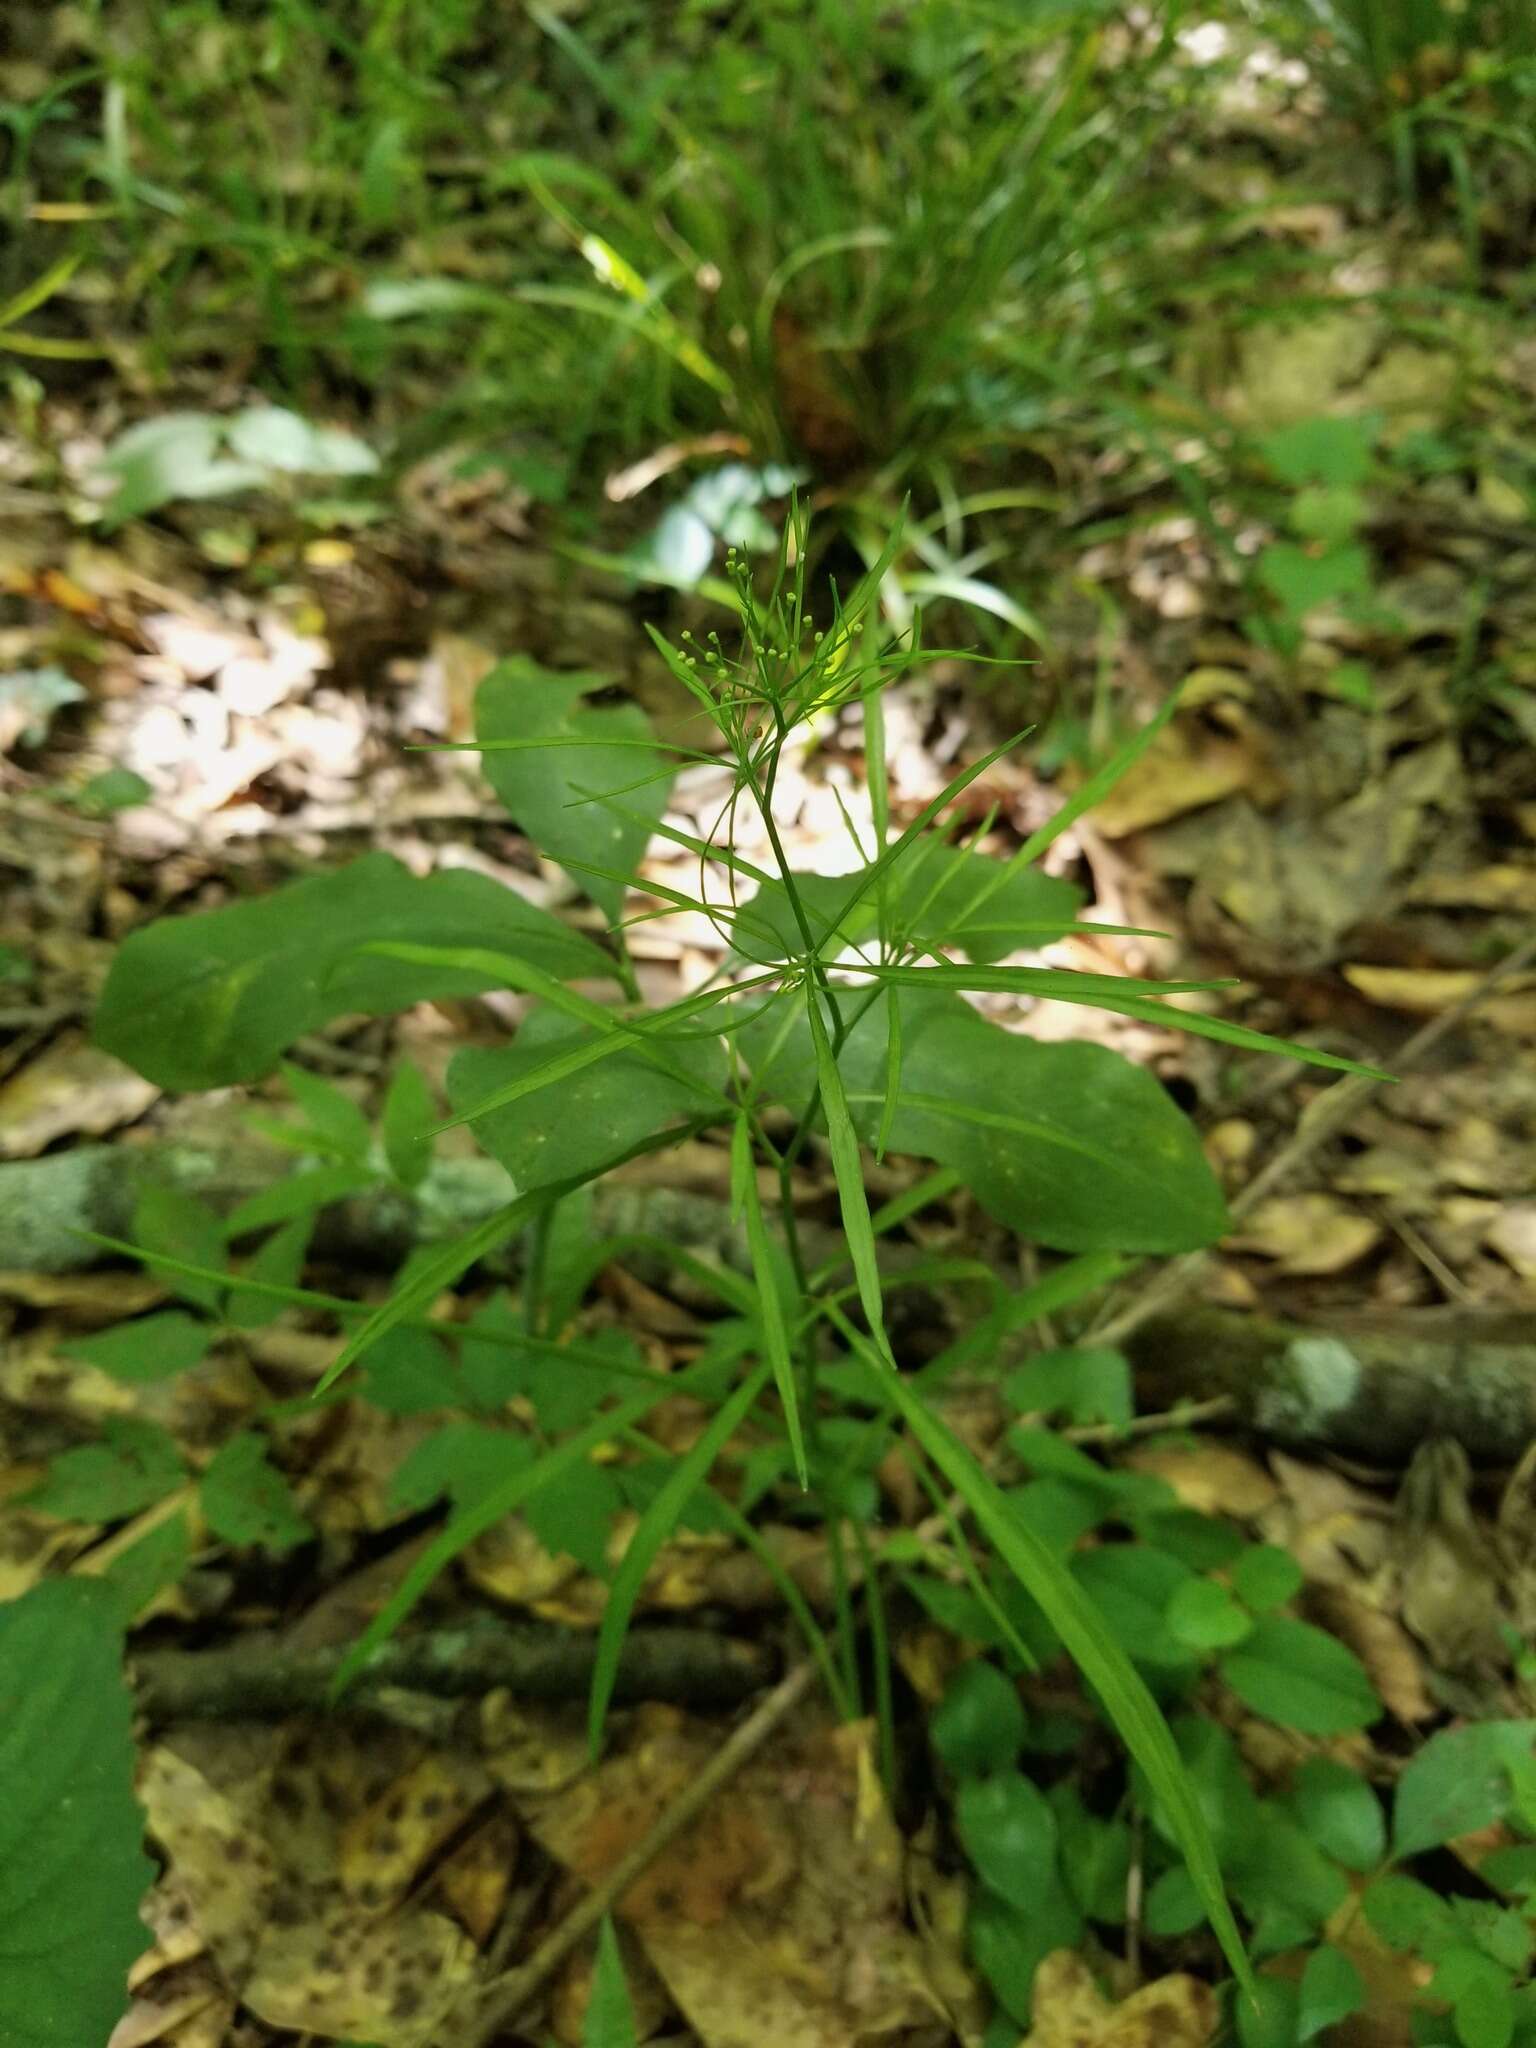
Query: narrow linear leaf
(892, 1076)
(925, 817)
(848, 1169)
(770, 1307)
(1087, 1639)
(492, 1507)
(431, 1277)
(652, 1530)
(1104, 992)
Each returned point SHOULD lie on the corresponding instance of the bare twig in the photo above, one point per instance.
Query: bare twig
(504, 1999)
(257, 1677)
(1321, 1121)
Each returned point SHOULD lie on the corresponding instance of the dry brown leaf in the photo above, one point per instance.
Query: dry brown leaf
(1449, 1574)
(476, 1878)
(70, 1088)
(1505, 886)
(1307, 1234)
(252, 1842)
(383, 1851)
(1071, 2012)
(1338, 1532)
(1213, 1479)
(1184, 769)
(1383, 1646)
(1426, 991)
(169, 2020)
(779, 1916)
(529, 1749)
(1512, 1234)
(89, 1299)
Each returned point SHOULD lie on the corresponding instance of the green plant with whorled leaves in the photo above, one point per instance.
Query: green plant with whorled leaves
(836, 1020)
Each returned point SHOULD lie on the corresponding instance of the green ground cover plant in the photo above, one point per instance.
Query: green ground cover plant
(839, 1020)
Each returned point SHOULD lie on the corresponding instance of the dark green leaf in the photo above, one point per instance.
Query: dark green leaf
(406, 1125)
(543, 787)
(1341, 1812)
(248, 1502)
(576, 1519)
(1086, 1635)
(145, 1568)
(928, 900)
(1092, 1384)
(136, 1466)
(297, 1196)
(1331, 449)
(1271, 2019)
(280, 1262)
(1302, 580)
(199, 1002)
(1095, 1856)
(1173, 1905)
(409, 1371)
(1265, 1576)
(610, 2017)
(978, 1726)
(575, 1129)
(1458, 1783)
(1070, 1145)
(72, 1863)
(465, 1462)
(1132, 1585)
(166, 1220)
(1009, 1833)
(1277, 1870)
(1293, 1673)
(1008, 1943)
(655, 1526)
(1203, 1616)
(152, 1348)
(1331, 1990)
(1408, 1916)
(337, 1123)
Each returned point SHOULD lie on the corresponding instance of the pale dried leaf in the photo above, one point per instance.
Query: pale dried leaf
(70, 1089)
(1071, 2012)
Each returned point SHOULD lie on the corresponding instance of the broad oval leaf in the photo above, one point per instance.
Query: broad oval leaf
(548, 790)
(978, 1726)
(1459, 1783)
(571, 1130)
(199, 1002)
(1293, 1673)
(72, 1863)
(930, 896)
(1009, 1832)
(1070, 1145)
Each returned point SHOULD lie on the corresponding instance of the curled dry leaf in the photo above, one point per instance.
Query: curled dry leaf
(1071, 2012)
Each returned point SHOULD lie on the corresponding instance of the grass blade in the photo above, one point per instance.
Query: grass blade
(1089, 1641)
(1107, 992)
(486, 1512)
(848, 1168)
(745, 1196)
(432, 1276)
(652, 1530)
